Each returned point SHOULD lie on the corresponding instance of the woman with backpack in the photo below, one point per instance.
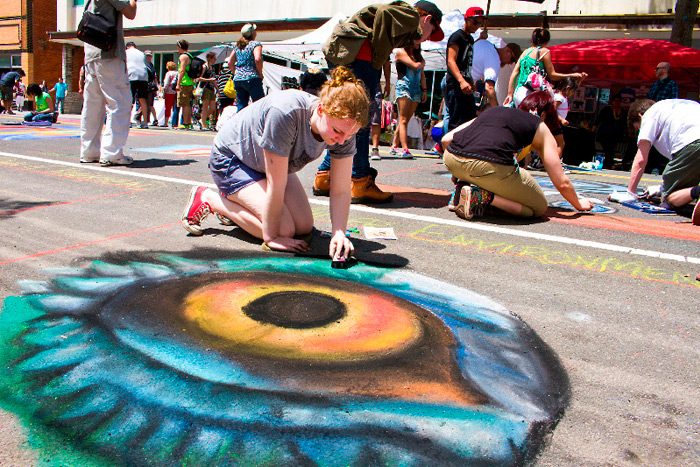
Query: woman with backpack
(533, 69)
(246, 60)
(208, 84)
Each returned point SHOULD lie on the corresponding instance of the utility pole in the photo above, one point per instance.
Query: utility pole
(684, 21)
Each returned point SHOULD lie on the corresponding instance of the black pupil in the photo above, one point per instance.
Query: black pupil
(296, 309)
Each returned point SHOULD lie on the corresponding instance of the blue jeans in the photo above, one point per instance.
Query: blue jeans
(360, 163)
(250, 90)
(38, 117)
(460, 107)
(59, 104)
(175, 119)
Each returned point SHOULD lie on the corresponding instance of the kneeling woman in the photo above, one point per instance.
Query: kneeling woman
(481, 155)
(257, 152)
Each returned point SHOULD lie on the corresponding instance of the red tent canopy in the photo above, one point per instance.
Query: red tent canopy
(627, 61)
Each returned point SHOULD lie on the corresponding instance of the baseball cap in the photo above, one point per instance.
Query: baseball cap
(474, 12)
(148, 52)
(248, 29)
(434, 11)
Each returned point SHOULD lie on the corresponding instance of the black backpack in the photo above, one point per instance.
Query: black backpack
(196, 67)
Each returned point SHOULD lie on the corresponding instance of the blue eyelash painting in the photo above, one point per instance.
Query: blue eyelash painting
(164, 359)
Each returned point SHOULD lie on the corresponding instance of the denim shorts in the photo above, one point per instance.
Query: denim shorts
(230, 174)
(412, 92)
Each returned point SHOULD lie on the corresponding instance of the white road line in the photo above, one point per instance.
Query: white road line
(403, 215)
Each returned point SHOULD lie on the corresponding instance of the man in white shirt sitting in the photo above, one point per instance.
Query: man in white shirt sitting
(672, 126)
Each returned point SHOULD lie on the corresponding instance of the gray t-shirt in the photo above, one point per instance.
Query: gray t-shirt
(278, 123)
(110, 9)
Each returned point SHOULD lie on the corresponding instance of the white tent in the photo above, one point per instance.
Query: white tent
(306, 48)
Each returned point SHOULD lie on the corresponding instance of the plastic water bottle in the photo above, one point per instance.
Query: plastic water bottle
(598, 161)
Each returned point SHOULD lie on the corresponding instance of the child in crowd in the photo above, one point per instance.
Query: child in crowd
(564, 92)
(257, 152)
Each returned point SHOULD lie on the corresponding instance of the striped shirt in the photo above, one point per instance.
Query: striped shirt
(221, 80)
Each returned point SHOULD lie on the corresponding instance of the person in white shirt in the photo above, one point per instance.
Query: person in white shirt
(106, 89)
(489, 58)
(673, 128)
(564, 91)
(138, 79)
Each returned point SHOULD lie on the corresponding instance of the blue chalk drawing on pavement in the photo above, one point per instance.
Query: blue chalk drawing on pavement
(140, 360)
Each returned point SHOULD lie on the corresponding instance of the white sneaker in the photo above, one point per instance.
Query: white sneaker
(121, 160)
(375, 155)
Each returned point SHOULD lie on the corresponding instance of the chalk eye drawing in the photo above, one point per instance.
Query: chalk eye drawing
(168, 360)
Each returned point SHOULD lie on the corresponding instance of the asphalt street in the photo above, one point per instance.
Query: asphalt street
(613, 293)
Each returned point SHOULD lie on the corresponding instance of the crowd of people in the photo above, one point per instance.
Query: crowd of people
(486, 142)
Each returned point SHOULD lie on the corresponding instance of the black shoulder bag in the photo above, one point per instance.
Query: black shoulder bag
(96, 30)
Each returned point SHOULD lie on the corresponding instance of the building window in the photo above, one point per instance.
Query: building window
(16, 61)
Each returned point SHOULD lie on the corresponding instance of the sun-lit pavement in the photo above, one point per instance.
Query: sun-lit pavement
(613, 293)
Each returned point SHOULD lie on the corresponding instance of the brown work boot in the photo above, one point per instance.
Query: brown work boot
(322, 183)
(365, 191)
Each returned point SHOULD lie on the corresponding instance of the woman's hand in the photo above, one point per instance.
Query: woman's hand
(584, 204)
(287, 244)
(340, 246)
(508, 100)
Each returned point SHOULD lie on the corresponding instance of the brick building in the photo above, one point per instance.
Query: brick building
(24, 43)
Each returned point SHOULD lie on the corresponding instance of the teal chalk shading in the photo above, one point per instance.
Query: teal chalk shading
(97, 385)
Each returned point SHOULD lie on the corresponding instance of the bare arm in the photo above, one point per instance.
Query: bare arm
(545, 143)
(639, 164)
(276, 171)
(341, 171)
(232, 61)
(453, 69)
(511, 83)
(552, 73)
(387, 78)
(423, 85)
(129, 11)
(403, 57)
(257, 56)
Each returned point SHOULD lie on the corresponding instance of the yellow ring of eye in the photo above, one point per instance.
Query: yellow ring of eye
(376, 324)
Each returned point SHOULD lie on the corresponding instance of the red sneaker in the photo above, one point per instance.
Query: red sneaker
(196, 211)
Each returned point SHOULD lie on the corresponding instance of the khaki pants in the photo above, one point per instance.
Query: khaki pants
(507, 181)
(683, 171)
